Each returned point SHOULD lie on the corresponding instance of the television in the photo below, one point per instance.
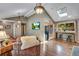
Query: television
(36, 25)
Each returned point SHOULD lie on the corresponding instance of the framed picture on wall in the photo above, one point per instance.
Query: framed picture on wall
(36, 25)
(7, 26)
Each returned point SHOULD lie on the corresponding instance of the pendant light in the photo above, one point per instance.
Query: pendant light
(39, 8)
(19, 18)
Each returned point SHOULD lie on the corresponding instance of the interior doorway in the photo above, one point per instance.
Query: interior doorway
(23, 29)
(47, 33)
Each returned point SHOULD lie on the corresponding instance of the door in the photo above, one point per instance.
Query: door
(23, 29)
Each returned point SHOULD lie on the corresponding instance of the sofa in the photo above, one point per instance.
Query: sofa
(26, 46)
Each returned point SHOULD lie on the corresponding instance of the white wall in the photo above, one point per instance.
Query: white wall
(37, 18)
(78, 30)
(17, 29)
(8, 27)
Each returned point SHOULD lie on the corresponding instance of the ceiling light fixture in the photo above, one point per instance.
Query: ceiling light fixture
(39, 8)
(19, 18)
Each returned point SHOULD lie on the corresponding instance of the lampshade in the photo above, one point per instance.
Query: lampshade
(3, 35)
(39, 9)
(1, 27)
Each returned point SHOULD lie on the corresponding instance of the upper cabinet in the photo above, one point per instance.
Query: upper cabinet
(69, 26)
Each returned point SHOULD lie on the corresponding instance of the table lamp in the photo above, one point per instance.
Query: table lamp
(3, 36)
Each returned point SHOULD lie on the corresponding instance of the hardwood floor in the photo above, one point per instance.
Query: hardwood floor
(56, 48)
(32, 51)
(50, 48)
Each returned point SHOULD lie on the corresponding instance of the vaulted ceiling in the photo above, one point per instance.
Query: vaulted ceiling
(27, 9)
